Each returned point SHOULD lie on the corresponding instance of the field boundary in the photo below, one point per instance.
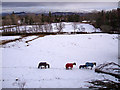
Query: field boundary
(54, 33)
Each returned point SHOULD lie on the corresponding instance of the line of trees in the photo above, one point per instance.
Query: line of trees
(108, 21)
(36, 19)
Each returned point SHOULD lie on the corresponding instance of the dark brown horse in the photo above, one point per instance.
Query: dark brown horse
(43, 64)
(82, 66)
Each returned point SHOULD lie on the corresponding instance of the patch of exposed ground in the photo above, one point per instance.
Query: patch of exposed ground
(3, 42)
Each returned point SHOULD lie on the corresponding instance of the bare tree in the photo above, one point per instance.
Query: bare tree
(39, 21)
(81, 29)
(3, 25)
(74, 25)
(25, 28)
(15, 20)
(46, 27)
(50, 27)
(60, 26)
(7, 21)
(20, 83)
(41, 28)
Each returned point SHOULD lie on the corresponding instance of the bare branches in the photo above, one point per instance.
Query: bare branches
(104, 84)
(110, 69)
(74, 26)
(60, 26)
(48, 27)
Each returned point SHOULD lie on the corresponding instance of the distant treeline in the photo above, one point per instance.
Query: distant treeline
(107, 21)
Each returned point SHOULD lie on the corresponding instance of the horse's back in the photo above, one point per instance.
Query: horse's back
(89, 64)
(43, 63)
(69, 65)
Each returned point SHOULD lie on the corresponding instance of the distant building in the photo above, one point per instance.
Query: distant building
(85, 21)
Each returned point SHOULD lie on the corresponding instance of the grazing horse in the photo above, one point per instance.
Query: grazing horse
(43, 64)
(69, 65)
(88, 64)
(82, 66)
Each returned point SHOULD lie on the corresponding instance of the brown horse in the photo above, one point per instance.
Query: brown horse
(82, 66)
(45, 64)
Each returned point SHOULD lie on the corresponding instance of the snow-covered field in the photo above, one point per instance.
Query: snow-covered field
(81, 27)
(9, 37)
(21, 61)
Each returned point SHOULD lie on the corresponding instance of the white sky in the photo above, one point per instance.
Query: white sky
(59, 0)
(59, 6)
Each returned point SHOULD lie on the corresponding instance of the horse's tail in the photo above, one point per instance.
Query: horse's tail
(39, 66)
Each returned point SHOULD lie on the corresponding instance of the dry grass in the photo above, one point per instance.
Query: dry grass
(3, 42)
(8, 41)
(35, 38)
(102, 84)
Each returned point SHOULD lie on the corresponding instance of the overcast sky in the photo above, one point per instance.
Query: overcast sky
(57, 6)
(60, 0)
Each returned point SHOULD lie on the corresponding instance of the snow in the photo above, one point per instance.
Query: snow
(7, 26)
(22, 42)
(21, 61)
(81, 27)
(69, 27)
(85, 21)
(29, 37)
(8, 37)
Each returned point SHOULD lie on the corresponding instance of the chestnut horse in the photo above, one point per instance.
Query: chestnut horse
(69, 65)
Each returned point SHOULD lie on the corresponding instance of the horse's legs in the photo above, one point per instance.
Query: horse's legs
(91, 67)
(45, 66)
(66, 68)
(86, 67)
(41, 67)
(79, 67)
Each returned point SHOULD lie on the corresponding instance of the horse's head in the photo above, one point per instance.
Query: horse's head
(74, 63)
(94, 63)
(48, 65)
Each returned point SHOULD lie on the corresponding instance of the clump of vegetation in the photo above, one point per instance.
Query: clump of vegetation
(19, 83)
(102, 84)
(112, 69)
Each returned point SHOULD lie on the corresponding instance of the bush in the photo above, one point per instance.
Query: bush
(106, 28)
